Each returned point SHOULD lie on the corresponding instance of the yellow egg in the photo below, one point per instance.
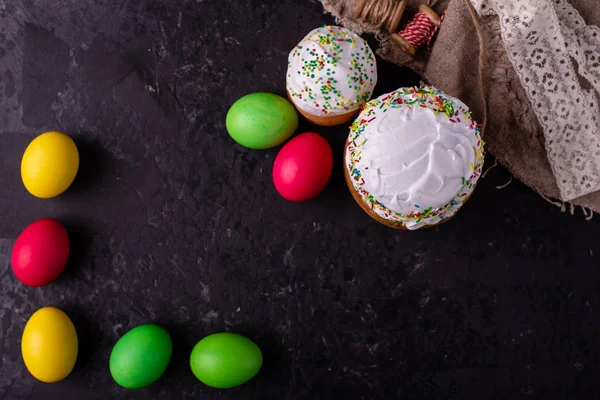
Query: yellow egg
(49, 345)
(49, 164)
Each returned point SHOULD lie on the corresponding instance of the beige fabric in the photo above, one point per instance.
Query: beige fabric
(512, 134)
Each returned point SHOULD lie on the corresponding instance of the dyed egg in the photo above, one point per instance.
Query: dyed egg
(225, 360)
(141, 356)
(303, 167)
(41, 252)
(49, 164)
(261, 120)
(49, 345)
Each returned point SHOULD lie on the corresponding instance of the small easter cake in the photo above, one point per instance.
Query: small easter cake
(331, 75)
(413, 157)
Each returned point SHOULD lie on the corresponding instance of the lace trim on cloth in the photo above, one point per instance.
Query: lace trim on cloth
(557, 59)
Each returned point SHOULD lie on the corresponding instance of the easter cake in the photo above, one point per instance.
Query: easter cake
(331, 74)
(413, 157)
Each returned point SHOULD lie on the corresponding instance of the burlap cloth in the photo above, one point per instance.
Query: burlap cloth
(512, 133)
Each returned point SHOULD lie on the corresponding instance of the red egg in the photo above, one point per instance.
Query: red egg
(40, 252)
(303, 167)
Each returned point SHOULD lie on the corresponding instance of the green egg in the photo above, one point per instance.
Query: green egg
(141, 356)
(261, 120)
(225, 360)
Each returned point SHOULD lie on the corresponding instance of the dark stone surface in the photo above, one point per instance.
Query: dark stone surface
(173, 223)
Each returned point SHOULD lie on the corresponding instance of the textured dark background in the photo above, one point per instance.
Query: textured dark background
(173, 223)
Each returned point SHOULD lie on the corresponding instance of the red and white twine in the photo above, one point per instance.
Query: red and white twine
(421, 29)
(436, 27)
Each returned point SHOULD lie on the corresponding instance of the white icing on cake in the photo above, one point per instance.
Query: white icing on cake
(332, 71)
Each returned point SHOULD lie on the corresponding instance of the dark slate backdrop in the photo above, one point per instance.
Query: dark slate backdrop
(173, 223)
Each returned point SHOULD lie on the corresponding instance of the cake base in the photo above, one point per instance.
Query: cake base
(331, 120)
